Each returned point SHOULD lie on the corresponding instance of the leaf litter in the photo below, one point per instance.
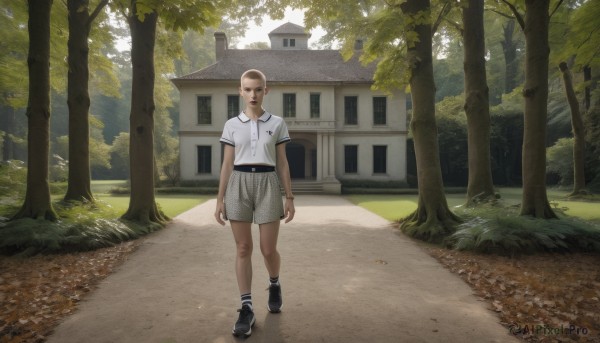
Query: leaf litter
(547, 290)
(36, 293)
(539, 298)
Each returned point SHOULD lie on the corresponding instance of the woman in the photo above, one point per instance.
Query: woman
(249, 191)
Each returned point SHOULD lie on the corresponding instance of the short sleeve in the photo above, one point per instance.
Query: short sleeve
(227, 136)
(284, 135)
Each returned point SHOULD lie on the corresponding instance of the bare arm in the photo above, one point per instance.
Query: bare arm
(283, 170)
(226, 170)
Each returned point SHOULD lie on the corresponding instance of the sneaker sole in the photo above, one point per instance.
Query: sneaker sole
(274, 310)
(245, 334)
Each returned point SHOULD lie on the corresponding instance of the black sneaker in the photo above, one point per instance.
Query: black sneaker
(275, 301)
(243, 326)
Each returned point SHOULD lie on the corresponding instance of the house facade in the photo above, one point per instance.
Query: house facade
(340, 128)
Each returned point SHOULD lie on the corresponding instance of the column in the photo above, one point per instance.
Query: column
(319, 156)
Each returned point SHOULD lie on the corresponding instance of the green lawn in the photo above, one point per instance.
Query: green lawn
(172, 204)
(393, 207)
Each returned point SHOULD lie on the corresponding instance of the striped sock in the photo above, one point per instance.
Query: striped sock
(247, 300)
(274, 280)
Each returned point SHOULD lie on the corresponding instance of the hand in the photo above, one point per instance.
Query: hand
(289, 210)
(220, 212)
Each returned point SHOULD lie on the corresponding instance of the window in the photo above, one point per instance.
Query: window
(379, 110)
(315, 105)
(350, 159)
(204, 110)
(379, 159)
(233, 106)
(351, 110)
(289, 105)
(291, 42)
(204, 159)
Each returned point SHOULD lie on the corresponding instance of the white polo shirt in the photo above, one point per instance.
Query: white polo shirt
(255, 141)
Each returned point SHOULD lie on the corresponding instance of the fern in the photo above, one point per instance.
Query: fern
(83, 226)
(501, 230)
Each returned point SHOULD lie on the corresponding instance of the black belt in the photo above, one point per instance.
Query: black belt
(254, 168)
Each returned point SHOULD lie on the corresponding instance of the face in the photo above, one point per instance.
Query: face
(253, 91)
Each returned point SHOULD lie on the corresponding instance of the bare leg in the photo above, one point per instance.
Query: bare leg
(243, 262)
(268, 246)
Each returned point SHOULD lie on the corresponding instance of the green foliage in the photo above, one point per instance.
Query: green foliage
(448, 71)
(59, 168)
(13, 176)
(14, 42)
(503, 231)
(452, 138)
(578, 35)
(119, 156)
(82, 227)
(559, 160)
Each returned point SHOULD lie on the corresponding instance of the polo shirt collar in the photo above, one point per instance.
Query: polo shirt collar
(264, 117)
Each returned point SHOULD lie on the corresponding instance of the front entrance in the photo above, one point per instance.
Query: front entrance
(296, 159)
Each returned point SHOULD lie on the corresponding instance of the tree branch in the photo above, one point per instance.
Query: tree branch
(501, 13)
(589, 36)
(455, 25)
(440, 17)
(515, 11)
(556, 8)
(97, 11)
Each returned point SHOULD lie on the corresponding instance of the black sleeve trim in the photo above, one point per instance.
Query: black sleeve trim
(225, 141)
(284, 140)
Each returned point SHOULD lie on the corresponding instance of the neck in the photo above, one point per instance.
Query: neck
(254, 114)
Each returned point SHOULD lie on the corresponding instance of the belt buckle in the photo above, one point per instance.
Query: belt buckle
(253, 169)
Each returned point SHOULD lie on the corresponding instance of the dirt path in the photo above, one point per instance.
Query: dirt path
(347, 276)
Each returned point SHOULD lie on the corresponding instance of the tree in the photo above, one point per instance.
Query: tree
(37, 203)
(432, 214)
(142, 17)
(535, 26)
(578, 132)
(80, 22)
(142, 205)
(477, 105)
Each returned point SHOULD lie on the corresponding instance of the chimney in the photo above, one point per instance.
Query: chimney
(358, 44)
(220, 44)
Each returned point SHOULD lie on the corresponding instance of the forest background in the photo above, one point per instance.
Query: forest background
(179, 53)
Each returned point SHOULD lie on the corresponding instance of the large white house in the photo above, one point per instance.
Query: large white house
(340, 128)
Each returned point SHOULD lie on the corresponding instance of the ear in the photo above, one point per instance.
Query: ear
(266, 90)
(240, 91)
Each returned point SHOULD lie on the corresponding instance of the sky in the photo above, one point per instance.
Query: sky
(261, 34)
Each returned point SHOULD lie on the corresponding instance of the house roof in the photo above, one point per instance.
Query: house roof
(289, 28)
(285, 66)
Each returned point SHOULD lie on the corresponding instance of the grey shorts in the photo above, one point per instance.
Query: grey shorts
(253, 197)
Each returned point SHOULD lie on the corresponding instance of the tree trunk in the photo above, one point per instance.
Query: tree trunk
(433, 219)
(142, 204)
(477, 107)
(509, 47)
(535, 200)
(78, 99)
(578, 132)
(587, 76)
(37, 202)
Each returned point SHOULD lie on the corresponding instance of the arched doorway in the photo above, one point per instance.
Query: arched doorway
(296, 159)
